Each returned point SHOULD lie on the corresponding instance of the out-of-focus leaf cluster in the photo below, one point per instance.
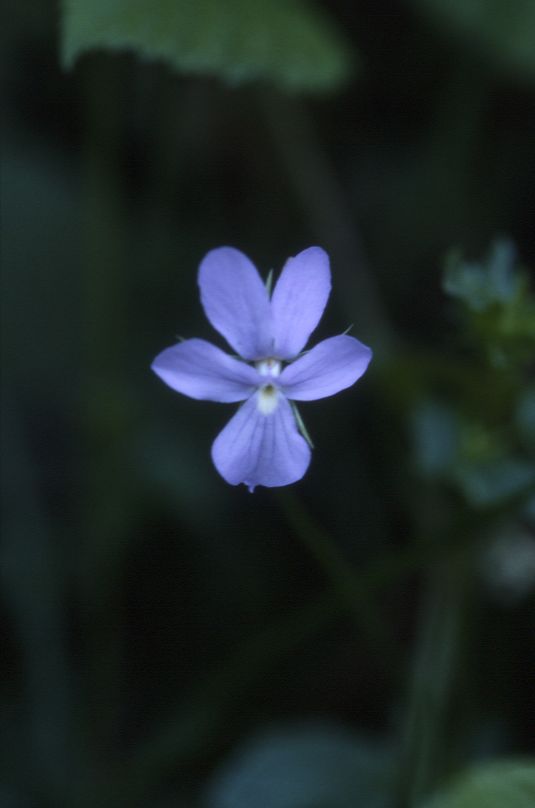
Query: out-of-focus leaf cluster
(485, 464)
(498, 308)
(473, 425)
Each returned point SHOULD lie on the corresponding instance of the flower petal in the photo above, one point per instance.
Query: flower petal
(236, 302)
(200, 370)
(298, 300)
(258, 449)
(330, 366)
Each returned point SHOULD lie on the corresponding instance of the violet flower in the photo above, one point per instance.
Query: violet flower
(262, 443)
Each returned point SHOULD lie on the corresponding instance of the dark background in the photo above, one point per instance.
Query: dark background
(155, 617)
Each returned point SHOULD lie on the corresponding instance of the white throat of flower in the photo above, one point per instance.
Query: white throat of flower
(268, 394)
(269, 367)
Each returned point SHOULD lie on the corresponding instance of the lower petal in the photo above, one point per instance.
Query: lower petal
(258, 449)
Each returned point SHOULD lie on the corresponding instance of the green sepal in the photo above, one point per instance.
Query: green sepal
(301, 425)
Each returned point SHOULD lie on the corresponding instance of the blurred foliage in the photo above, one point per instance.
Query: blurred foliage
(485, 452)
(488, 464)
(480, 286)
(502, 30)
(500, 305)
(491, 785)
(286, 42)
(508, 564)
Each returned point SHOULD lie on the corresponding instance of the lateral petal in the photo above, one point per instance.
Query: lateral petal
(200, 370)
(259, 449)
(331, 366)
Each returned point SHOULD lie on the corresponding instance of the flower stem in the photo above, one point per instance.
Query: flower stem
(338, 570)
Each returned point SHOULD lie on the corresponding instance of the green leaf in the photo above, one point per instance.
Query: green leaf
(286, 42)
(501, 784)
(503, 30)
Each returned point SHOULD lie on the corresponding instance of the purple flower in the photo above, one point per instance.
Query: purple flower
(262, 444)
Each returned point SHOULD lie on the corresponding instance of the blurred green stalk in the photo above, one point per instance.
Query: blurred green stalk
(344, 579)
(428, 734)
(32, 585)
(107, 506)
(321, 195)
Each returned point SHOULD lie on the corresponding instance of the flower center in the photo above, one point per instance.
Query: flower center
(269, 367)
(268, 399)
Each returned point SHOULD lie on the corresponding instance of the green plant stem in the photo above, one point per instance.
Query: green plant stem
(346, 583)
(32, 586)
(106, 506)
(434, 673)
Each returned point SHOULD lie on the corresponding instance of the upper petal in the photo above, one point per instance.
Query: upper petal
(330, 366)
(298, 300)
(200, 370)
(236, 302)
(258, 449)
